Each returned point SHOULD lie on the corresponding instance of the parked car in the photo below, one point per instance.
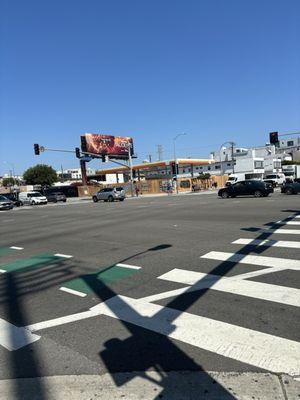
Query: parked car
(5, 203)
(291, 188)
(32, 198)
(55, 197)
(246, 188)
(109, 194)
(12, 197)
(277, 179)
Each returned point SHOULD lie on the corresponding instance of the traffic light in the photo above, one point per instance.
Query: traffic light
(36, 148)
(274, 138)
(175, 169)
(77, 152)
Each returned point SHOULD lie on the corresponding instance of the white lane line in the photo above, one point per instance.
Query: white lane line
(272, 353)
(127, 266)
(259, 272)
(16, 248)
(62, 320)
(13, 337)
(2, 271)
(296, 216)
(233, 285)
(283, 263)
(283, 231)
(80, 294)
(62, 255)
(268, 243)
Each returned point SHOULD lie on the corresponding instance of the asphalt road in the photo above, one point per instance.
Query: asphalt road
(249, 323)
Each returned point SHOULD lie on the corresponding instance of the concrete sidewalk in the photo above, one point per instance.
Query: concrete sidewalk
(154, 385)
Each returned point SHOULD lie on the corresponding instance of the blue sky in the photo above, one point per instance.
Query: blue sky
(217, 70)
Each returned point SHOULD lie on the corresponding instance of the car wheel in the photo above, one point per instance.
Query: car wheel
(110, 199)
(257, 193)
(225, 195)
(33, 203)
(289, 191)
(95, 199)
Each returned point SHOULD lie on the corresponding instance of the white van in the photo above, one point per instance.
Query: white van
(32, 198)
(277, 179)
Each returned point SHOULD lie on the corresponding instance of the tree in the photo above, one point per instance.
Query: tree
(9, 181)
(41, 174)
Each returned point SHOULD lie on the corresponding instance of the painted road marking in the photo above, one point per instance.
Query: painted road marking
(5, 250)
(62, 255)
(13, 338)
(283, 231)
(65, 289)
(260, 272)
(287, 223)
(283, 263)
(128, 266)
(88, 283)
(262, 350)
(268, 243)
(2, 271)
(233, 285)
(33, 262)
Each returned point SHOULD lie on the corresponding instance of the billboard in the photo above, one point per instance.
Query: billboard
(113, 146)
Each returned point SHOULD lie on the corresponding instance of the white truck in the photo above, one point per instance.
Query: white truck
(291, 172)
(233, 178)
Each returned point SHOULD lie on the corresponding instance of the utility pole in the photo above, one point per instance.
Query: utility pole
(130, 168)
(175, 159)
(159, 152)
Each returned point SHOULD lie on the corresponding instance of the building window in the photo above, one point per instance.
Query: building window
(258, 164)
(277, 164)
(217, 167)
(290, 143)
(228, 165)
(197, 167)
(208, 168)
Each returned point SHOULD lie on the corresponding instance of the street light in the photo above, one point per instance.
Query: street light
(175, 160)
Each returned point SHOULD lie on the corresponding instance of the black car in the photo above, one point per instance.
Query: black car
(13, 197)
(55, 197)
(250, 187)
(291, 188)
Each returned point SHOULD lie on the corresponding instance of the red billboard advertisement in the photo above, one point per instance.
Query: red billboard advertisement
(114, 146)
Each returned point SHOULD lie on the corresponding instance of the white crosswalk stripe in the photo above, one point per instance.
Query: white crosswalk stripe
(268, 243)
(281, 263)
(233, 285)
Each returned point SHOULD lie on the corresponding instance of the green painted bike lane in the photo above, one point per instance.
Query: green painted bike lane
(97, 280)
(37, 261)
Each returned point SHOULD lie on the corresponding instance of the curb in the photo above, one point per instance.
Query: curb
(154, 385)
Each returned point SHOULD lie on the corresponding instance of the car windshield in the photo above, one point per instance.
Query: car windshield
(57, 194)
(35, 194)
(119, 189)
(3, 198)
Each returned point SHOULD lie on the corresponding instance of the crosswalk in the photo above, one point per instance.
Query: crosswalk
(246, 345)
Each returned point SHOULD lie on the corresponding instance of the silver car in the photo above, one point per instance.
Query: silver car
(5, 203)
(109, 194)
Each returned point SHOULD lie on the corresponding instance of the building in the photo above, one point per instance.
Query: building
(73, 174)
(256, 161)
